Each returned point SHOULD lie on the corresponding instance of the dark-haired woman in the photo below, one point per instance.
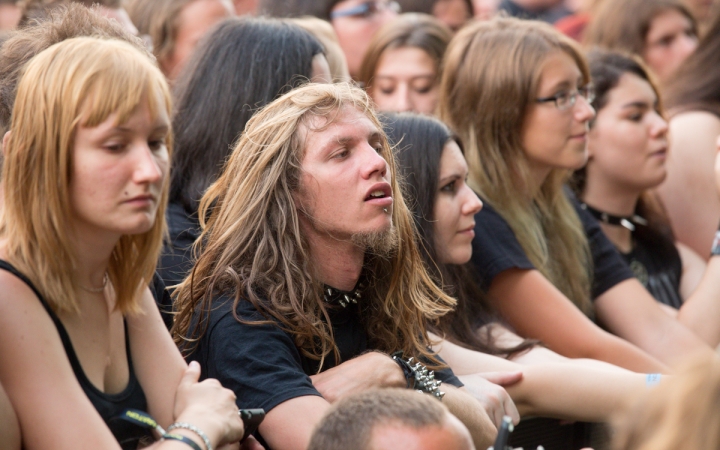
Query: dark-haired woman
(434, 170)
(627, 149)
(242, 65)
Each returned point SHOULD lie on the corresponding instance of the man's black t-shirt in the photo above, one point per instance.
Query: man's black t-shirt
(496, 249)
(261, 363)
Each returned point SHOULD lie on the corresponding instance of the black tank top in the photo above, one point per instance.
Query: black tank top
(109, 406)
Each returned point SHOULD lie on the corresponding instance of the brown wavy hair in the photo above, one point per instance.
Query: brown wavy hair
(252, 248)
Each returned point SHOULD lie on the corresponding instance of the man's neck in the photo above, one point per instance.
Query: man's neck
(336, 263)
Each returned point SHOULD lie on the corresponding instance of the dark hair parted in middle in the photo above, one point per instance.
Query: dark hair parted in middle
(241, 66)
(419, 142)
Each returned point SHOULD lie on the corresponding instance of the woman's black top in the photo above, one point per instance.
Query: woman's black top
(656, 262)
(109, 406)
(496, 249)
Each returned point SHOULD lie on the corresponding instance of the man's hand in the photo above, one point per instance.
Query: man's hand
(367, 371)
(487, 388)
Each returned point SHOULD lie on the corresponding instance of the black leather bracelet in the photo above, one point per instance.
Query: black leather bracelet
(183, 439)
(418, 376)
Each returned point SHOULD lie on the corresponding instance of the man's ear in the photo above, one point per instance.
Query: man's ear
(6, 139)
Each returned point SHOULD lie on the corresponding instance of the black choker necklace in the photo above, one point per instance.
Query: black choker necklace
(628, 222)
(343, 298)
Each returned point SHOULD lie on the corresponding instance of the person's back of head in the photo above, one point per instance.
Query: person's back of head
(240, 67)
(65, 22)
(390, 418)
(297, 8)
(680, 413)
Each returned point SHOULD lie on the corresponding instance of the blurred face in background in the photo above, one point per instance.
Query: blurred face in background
(668, 42)
(453, 13)
(405, 80)
(195, 19)
(356, 22)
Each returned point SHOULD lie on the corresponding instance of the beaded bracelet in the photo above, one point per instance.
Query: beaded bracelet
(418, 377)
(194, 429)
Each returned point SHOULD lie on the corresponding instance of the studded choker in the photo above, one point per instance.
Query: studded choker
(628, 222)
(335, 296)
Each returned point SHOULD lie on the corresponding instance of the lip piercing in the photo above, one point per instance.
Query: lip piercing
(385, 209)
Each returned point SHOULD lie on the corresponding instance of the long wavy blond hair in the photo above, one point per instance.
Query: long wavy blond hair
(252, 247)
(77, 82)
(491, 78)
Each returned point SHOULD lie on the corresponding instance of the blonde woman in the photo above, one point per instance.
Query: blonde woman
(517, 94)
(85, 187)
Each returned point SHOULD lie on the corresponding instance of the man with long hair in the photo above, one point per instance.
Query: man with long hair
(308, 273)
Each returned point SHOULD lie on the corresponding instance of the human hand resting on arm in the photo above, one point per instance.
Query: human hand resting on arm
(210, 407)
(487, 388)
(367, 371)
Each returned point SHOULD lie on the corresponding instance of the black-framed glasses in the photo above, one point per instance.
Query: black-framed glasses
(567, 99)
(367, 9)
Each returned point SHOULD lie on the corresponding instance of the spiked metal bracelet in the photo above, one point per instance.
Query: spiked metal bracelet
(418, 376)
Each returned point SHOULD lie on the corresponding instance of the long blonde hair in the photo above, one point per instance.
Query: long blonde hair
(491, 77)
(77, 82)
(252, 248)
(680, 413)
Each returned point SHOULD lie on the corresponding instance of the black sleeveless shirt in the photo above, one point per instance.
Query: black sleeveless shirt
(109, 406)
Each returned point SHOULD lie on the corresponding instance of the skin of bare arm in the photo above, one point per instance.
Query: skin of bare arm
(560, 390)
(367, 371)
(289, 425)
(693, 268)
(689, 192)
(504, 338)
(537, 309)
(153, 349)
(629, 311)
(375, 369)
(9, 427)
(700, 311)
(51, 407)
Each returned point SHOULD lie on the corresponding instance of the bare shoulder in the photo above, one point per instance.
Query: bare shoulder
(693, 127)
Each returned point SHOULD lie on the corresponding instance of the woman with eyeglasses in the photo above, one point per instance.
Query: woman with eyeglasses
(628, 148)
(517, 93)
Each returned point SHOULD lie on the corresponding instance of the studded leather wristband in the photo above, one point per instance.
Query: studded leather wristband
(418, 376)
